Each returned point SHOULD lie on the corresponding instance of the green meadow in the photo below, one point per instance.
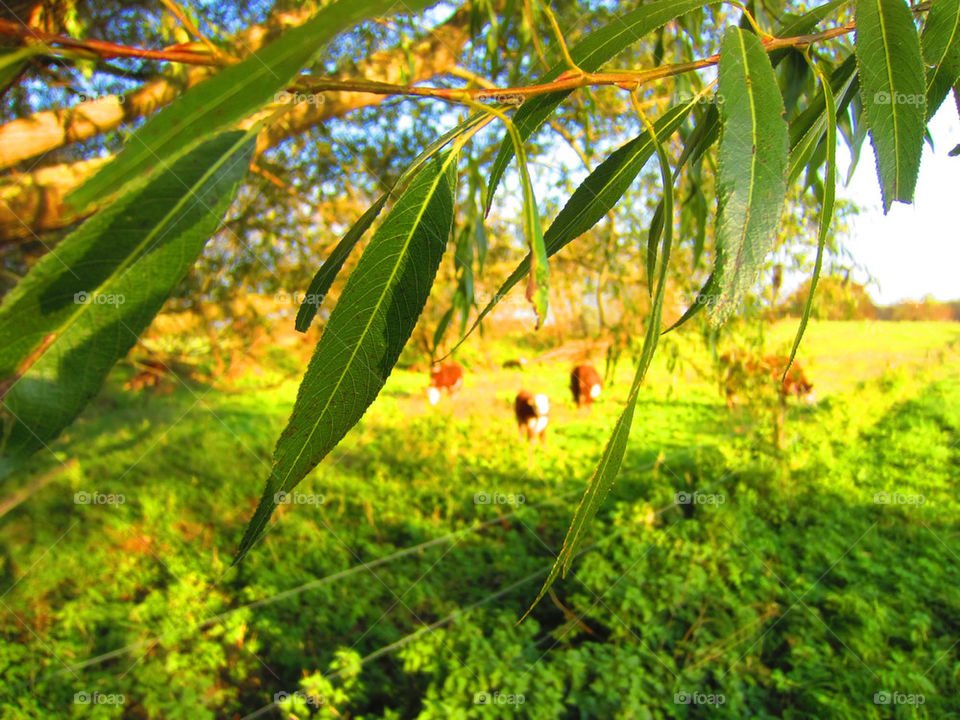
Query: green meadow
(724, 577)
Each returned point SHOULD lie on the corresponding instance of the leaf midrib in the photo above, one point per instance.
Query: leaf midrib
(376, 307)
(753, 159)
(893, 104)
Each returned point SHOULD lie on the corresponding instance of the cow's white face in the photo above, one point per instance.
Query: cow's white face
(433, 395)
(595, 391)
(810, 398)
(542, 404)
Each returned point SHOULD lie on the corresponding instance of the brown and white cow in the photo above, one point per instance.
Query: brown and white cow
(744, 372)
(448, 377)
(585, 384)
(532, 413)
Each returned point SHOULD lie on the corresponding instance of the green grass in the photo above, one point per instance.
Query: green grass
(799, 596)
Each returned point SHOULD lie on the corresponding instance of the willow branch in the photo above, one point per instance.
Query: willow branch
(571, 80)
(106, 50)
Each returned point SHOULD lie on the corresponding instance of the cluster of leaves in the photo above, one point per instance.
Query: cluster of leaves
(888, 86)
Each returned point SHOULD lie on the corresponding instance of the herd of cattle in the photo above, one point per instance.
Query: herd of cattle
(738, 372)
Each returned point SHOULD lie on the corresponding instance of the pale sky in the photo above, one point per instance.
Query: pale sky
(915, 249)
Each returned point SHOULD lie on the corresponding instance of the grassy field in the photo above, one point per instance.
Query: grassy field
(818, 580)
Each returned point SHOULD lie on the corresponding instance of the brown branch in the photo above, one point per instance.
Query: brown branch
(103, 49)
(569, 80)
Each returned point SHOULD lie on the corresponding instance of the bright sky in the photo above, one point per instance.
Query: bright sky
(914, 250)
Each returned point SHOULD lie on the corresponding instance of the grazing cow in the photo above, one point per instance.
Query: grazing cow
(743, 372)
(448, 376)
(585, 384)
(532, 411)
(515, 364)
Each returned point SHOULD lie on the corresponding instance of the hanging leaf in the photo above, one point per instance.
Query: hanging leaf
(234, 93)
(941, 51)
(82, 307)
(323, 280)
(538, 278)
(609, 465)
(826, 215)
(807, 128)
(589, 54)
(367, 329)
(893, 91)
(752, 167)
(591, 201)
(703, 298)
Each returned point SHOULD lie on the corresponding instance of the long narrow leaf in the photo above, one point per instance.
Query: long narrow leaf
(323, 280)
(941, 51)
(609, 465)
(365, 333)
(703, 298)
(893, 90)
(320, 285)
(752, 167)
(85, 303)
(826, 213)
(807, 128)
(589, 54)
(591, 201)
(234, 93)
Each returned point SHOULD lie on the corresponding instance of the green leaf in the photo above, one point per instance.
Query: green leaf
(703, 298)
(653, 239)
(609, 465)
(234, 93)
(320, 285)
(591, 201)
(893, 91)
(808, 128)
(366, 331)
(752, 167)
(14, 60)
(941, 50)
(538, 279)
(697, 143)
(83, 305)
(589, 54)
(826, 214)
(808, 21)
(323, 280)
